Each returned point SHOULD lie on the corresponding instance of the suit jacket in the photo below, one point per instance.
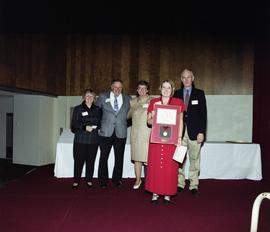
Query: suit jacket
(82, 117)
(112, 121)
(195, 116)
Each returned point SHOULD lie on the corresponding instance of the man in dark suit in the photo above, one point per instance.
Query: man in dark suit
(113, 132)
(195, 119)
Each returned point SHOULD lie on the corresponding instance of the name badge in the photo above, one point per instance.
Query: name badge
(157, 103)
(145, 105)
(194, 102)
(108, 100)
(84, 113)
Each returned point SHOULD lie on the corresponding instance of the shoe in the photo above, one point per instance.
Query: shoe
(89, 184)
(138, 185)
(179, 189)
(103, 186)
(194, 192)
(75, 185)
(154, 200)
(166, 200)
(118, 184)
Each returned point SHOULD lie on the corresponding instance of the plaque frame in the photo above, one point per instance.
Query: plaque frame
(165, 126)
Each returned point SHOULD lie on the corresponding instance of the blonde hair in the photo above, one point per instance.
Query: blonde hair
(171, 84)
(86, 91)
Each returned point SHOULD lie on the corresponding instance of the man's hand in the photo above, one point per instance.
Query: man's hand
(200, 138)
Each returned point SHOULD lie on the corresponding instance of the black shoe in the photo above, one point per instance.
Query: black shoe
(103, 186)
(166, 202)
(194, 192)
(154, 202)
(118, 184)
(180, 189)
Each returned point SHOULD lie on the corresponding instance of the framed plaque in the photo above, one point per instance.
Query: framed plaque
(165, 126)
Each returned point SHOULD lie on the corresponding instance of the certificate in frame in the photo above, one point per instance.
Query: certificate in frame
(165, 126)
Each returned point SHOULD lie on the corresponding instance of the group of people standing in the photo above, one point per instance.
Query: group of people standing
(103, 123)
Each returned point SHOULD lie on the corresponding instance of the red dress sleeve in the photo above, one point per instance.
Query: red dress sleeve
(151, 106)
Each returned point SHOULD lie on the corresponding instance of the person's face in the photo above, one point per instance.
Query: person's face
(89, 98)
(166, 89)
(142, 90)
(186, 78)
(117, 88)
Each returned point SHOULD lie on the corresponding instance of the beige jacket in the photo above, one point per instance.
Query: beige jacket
(140, 132)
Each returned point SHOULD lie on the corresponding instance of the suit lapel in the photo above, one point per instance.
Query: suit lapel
(108, 96)
(124, 102)
(182, 94)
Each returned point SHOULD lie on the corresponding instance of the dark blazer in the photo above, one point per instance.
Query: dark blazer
(195, 116)
(82, 117)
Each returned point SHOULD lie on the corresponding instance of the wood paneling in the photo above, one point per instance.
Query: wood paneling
(67, 64)
(33, 62)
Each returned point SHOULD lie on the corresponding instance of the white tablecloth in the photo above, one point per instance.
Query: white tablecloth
(218, 160)
(64, 158)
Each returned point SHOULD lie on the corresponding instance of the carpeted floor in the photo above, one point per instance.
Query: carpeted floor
(10, 171)
(40, 202)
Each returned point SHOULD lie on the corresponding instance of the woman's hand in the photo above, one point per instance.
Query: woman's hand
(150, 118)
(179, 141)
(89, 128)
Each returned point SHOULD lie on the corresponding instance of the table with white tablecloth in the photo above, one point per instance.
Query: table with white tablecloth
(219, 160)
(64, 158)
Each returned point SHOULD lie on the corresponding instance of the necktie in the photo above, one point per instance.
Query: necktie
(187, 98)
(115, 104)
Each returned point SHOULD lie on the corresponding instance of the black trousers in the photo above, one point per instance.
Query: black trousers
(84, 153)
(118, 145)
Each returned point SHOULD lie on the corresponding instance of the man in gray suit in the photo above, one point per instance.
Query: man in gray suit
(113, 132)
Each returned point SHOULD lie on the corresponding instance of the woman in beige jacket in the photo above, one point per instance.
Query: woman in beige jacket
(140, 132)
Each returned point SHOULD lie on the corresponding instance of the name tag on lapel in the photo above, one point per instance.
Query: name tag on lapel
(108, 100)
(194, 102)
(84, 113)
(145, 105)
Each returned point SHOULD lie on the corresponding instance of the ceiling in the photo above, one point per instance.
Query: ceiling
(190, 17)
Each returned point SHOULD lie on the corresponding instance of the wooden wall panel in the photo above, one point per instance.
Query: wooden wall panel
(103, 58)
(39, 66)
(33, 62)
(154, 72)
(133, 61)
(55, 72)
(7, 77)
(125, 65)
(67, 64)
(89, 63)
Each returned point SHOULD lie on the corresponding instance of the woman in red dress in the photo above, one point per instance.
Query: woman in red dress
(162, 170)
